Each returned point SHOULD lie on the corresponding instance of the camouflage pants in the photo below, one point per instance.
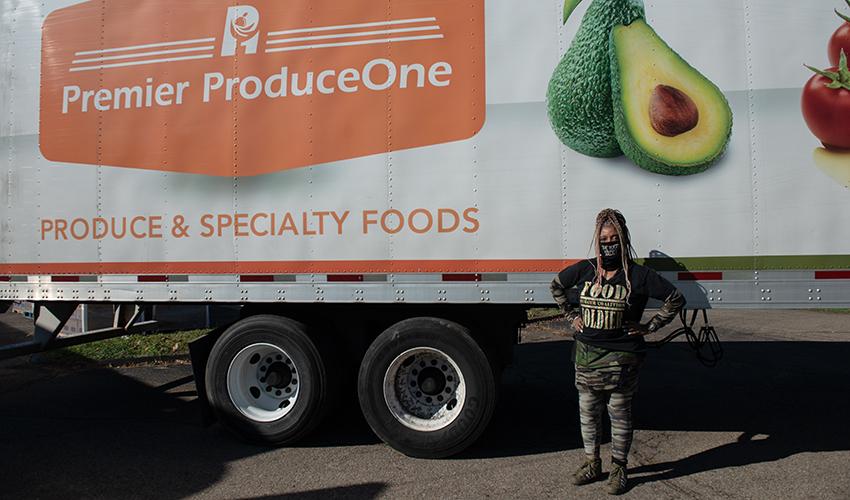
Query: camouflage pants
(613, 387)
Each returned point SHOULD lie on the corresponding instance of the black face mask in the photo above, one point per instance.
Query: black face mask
(611, 256)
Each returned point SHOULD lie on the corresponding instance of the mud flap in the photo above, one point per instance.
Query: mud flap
(199, 351)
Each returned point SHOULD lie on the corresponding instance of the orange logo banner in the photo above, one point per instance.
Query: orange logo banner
(244, 89)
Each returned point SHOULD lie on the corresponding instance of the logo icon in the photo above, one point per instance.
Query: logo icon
(240, 29)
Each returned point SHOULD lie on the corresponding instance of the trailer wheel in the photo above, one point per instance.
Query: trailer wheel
(266, 380)
(426, 388)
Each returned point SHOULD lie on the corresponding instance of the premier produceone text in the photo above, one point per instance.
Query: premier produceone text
(376, 75)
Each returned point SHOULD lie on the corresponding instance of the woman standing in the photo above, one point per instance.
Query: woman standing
(609, 344)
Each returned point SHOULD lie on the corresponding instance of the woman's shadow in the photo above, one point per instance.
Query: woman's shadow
(749, 448)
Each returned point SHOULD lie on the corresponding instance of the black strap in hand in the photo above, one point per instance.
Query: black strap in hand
(706, 344)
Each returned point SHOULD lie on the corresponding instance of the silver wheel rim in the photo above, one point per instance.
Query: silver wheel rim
(263, 382)
(424, 389)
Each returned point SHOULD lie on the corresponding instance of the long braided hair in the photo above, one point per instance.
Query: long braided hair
(615, 219)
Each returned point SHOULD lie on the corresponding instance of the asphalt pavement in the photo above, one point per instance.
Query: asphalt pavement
(769, 422)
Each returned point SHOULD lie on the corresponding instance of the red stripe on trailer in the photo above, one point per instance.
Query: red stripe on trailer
(150, 278)
(64, 279)
(832, 275)
(256, 278)
(461, 277)
(344, 277)
(5, 278)
(291, 267)
(710, 276)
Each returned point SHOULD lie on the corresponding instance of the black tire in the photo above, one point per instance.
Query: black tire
(480, 387)
(312, 400)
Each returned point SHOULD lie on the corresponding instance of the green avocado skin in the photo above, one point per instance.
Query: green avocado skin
(630, 147)
(579, 93)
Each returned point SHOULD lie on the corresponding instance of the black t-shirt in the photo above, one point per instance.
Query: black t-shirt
(605, 309)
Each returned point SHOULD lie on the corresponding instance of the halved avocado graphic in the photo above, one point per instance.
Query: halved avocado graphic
(668, 118)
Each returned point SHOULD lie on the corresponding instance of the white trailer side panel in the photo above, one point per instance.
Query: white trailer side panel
(462, 150)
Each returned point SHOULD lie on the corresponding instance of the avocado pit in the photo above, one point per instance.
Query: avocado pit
(671, 111)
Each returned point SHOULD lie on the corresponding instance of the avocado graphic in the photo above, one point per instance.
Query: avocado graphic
(668, 118)
(579, 94)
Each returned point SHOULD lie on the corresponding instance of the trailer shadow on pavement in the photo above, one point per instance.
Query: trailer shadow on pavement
(784, 398)
(96, 431)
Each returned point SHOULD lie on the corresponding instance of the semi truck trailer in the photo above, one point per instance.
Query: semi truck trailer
(386, 187)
